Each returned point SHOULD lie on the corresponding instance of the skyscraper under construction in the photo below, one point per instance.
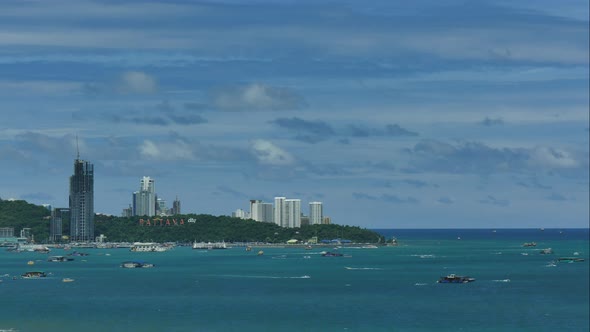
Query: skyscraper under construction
(82, 202)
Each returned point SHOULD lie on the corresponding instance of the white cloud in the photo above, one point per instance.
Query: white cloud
(270, 154)
(257, 97)
(177, 150)
(552, 158)
(137, 82)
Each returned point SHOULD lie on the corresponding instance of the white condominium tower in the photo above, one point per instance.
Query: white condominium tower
(280, 213)
(144, 200)
(316, 213)
(293, 209)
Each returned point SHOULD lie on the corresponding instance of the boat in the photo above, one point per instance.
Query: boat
(455, 279)
(248, 248)
(34, 275)
(331, 254)
(570, 259)
(136, 264)
(149, 247)
(529, 244)
(67, 280)
(59, 259)
(260, 253)
(370, 246)
(76, 253)
(30, 263)
(546, 251)
(209, 245)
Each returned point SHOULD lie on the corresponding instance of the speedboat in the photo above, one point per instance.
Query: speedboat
(34, 275)
(570, 259)
(547, 251)
(455, 279)
(529, 244)
(59, 259)
(136, 264)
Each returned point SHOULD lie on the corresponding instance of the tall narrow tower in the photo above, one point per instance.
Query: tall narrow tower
(82, 201)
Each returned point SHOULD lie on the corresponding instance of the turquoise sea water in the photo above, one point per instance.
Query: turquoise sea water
(384, 289)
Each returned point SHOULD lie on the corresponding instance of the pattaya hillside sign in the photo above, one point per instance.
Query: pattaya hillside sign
(162, 222)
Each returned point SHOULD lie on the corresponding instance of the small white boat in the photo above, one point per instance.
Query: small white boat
(67, 280)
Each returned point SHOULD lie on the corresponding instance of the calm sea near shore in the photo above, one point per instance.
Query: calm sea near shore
(292, 289)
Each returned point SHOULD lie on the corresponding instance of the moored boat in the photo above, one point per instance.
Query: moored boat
(209, 245)
(455, 279)
(149, 247)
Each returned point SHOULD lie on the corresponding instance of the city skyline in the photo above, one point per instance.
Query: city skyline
(392, 114)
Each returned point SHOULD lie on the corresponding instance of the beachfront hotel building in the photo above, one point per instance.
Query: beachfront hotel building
(316, 213)
(144, 200)
(82, 202)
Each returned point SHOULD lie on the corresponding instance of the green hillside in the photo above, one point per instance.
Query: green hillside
(20, 214)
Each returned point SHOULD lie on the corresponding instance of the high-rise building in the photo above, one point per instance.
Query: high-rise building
(316, 213)
(161, 208)
(82, 202)
(58, 217)
(144, 200)
(279, 211)
(261, 211)
(176, 207)
(293, 213)
(127, 212)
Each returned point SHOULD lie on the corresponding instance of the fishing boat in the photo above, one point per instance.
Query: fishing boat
(455, 279)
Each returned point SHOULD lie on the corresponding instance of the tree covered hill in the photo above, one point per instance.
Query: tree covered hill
(222, 228)
(20, 214)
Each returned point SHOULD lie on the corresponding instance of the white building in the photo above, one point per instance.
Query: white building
(293, 213)
(279, 211)
(261, 211)
(144, 200)
(241, 214)
(316, 213)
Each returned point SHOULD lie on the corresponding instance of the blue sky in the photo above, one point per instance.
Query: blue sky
(426, 114)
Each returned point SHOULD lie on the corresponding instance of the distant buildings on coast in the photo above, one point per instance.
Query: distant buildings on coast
(285, 212)
(146, 202)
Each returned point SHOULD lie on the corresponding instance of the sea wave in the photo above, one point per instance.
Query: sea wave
(501, 280)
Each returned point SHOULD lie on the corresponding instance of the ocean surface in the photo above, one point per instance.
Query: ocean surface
(293, 289)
